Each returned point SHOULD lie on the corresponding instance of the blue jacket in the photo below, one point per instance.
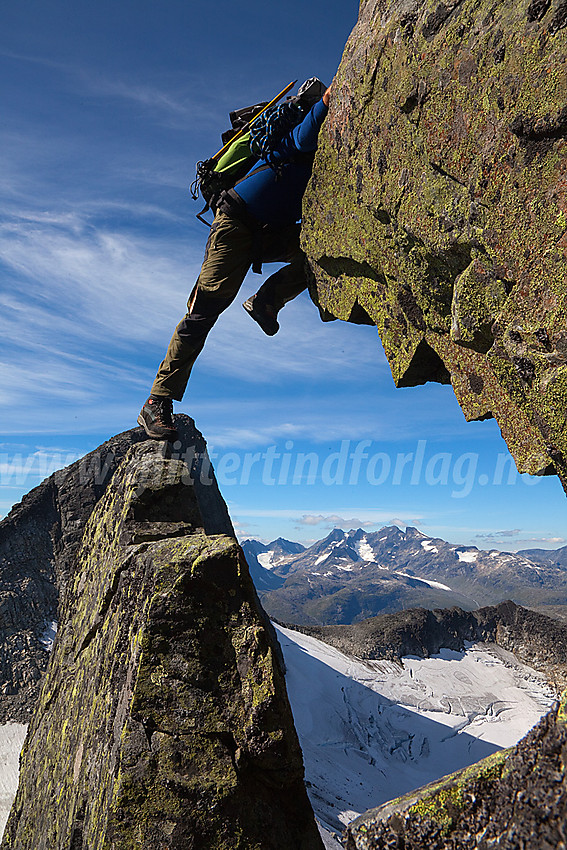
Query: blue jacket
(274, 197)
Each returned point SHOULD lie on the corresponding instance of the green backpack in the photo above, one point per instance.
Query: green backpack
(215, 176)
(255, 131)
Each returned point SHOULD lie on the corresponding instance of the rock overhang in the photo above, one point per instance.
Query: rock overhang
(437, 209)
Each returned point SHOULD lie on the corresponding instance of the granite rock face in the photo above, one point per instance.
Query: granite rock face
(438, 206)
(39, 540)
(163, 720)
(513, 799)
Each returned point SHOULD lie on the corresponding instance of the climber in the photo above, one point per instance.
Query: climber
(255, 223)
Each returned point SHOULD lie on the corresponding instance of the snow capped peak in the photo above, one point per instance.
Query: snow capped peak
(374, 569)
(253, 546)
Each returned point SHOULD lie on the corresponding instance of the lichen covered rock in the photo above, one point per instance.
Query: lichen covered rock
(438, 206)
(163, 721)
(39, 540)
(514, 798)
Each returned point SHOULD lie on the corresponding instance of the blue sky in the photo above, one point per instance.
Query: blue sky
(106, 109)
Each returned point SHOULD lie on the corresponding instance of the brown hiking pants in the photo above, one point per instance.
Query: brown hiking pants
(231, 249)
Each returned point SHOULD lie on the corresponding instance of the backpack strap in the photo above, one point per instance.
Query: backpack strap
(257, 170)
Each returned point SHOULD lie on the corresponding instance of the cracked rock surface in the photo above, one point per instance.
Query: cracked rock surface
(163, 720)
(437, 209)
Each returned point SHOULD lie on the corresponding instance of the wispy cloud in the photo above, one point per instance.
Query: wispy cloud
(35, 59)
(81, 298)
(500, 535)
(18, 469)
(520, 539)
(97, 280)
(375, 521)
(177, 109)
(284, 427)
(182, 105)
(145, 95)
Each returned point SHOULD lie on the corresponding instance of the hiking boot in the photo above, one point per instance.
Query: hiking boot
(263, 314)
(156, 419)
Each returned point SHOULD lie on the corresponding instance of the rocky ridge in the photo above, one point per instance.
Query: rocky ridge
(438, 206)
(39, 540)
(163, 719)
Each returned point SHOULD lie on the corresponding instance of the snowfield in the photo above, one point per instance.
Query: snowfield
(48, 636)
(427, 581)
(371, 731)
(364, 550)
(11, 741)
(265, 560)
(468, 557)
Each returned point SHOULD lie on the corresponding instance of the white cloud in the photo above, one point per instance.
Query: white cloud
(516, 539)
(330, 520)
(499, 535)
(376, 521)
(362, 515)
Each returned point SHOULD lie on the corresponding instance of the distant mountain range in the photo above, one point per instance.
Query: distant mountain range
(351, 575)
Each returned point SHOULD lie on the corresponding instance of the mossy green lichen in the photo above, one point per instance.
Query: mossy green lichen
(444, 802)
(562, 709)
(441, 150)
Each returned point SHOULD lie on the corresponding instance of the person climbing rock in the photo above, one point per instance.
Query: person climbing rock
(255, 223)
